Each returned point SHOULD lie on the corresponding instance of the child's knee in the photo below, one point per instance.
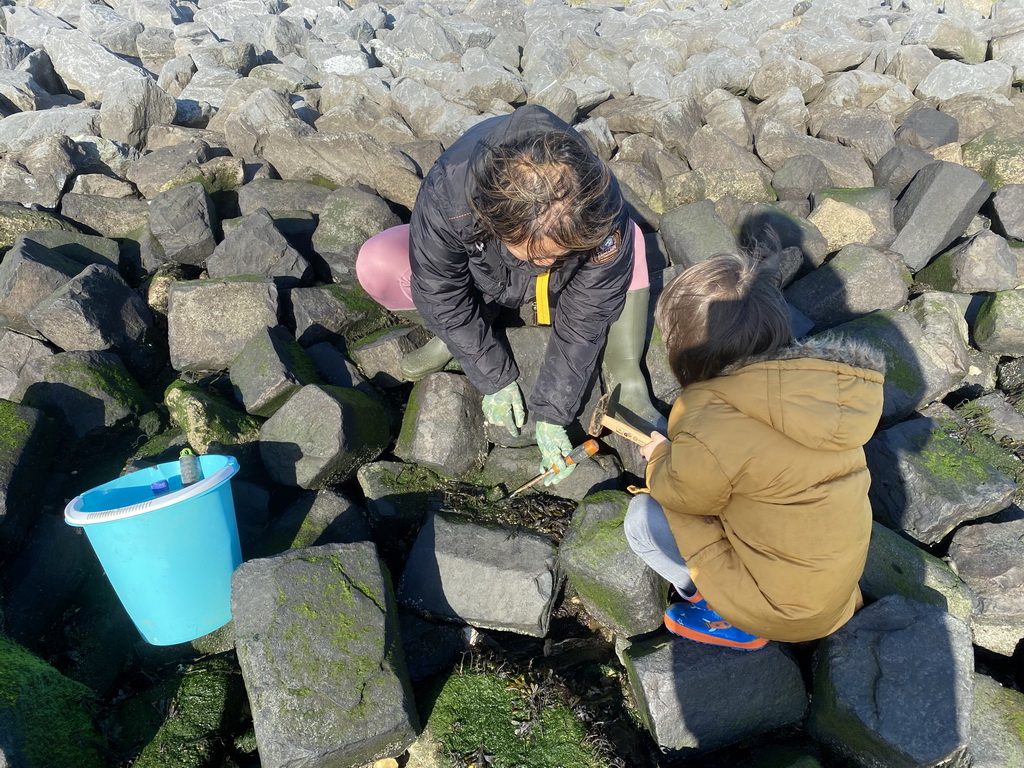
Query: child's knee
(637, 525)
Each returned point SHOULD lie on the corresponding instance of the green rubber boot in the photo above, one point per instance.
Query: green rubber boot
(620, 367)
(430, 358)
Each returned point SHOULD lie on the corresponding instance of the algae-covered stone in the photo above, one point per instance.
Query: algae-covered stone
(999, 159)
(322, 435)
(16, 219)
(28, 274)
(207, 700)
(443, 426)
(380, 354)
(318, 642)
(398, 495)
(350, 217)
(26, 449)
(894, 687)
(315, 518)
(999, 326)
(925, 483)
(753, 692)
(896, 566)
(87, 392)
(615, 585)
(336, 312)
(45, 718)
(270, 368)
(942, 321)
(211, 423)
(983, 263)
(997, 725)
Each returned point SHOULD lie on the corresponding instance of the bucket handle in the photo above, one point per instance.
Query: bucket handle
(73, 514)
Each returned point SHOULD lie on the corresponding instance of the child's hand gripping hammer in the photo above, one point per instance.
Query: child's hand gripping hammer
(578, 454)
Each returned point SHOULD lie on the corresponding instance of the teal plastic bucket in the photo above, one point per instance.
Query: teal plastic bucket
(169, 557)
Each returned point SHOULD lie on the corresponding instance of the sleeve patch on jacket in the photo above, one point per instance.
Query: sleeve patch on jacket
(607, 250)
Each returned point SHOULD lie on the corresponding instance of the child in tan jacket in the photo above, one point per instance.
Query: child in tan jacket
(759, 493)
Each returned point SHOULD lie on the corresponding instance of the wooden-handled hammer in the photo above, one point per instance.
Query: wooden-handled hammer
(600, 418)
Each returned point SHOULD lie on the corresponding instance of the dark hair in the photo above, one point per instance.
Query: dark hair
(721, 311)
(547, 185)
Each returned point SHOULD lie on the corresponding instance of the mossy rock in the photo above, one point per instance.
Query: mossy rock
(45, 718)
(211, 423)
(16, 220)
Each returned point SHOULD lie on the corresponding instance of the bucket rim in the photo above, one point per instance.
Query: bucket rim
(73, 514)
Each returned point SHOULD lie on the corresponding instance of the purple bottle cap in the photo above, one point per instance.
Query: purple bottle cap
(159, 487)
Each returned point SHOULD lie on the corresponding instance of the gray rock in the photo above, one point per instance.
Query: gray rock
(380, 355)
(349, 218)
(487, 576)
(429, 113)
(894, 687)
(210, 321)
(858, 280)
(928, 129)
(152, 172)
(720, 68)
(846, 216)
(86, 393)
(23, 129)
(398, 496)
(999, 326)
(16, 350)
(983, 263)
(25, 456)
(31, 25)
(322, 435)
(787, 107)
(316, 632)
(101, 185)
(910, 64)
(1007, 205)
(334, 368)
(270, 368)
(85, 66)
(862, 130)
(129, 111)
(945, 330)
(935, 208)
(779, 72)
(896, 566)
(776, 142)
(98, 155)
(997, 418)
(803, 246)
(671, 122)
(182, 221)
(670, 678)
(615, 585)
(925, 483)
(96, 309)
(28, 274)
(695, 232)
(799, 176)
(914, 374)
(156, 47)
(602, 472)
(897, 167)
(995, 742)
(175, 75)
(712, 150)
(256, 247)
(22, 91)
(315, 518)
(337, 313)
(105, 216)
(110, 29)
(952, 78)
(948, 36)
(443, 426)
(987, 556)
(282, 195)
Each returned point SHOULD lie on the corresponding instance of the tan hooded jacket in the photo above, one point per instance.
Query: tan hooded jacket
(765, 486)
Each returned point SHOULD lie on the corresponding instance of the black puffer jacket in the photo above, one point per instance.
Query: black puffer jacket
(454, 276)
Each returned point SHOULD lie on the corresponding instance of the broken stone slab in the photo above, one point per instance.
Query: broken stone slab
(322, 435)
(380, 354)
(863, 130)
(86, 392)
(16, 350)
(984, 263)
(210, 321)
(988, 556)
(894, 687)
(915, 375)
(105, 216)
(317, 637)
(211, 423)
(315, 518)
(999, 325)
(936, 208)
(29, 273)
(896, 566)
(350, 217)
(670, 678)
(995, 741)
(1007, 205)
(487, 576)
(942, 322)
(853, 216)
(443, 426)
(182, 221)
(99, 155)
(25, 455)
(270, 368)
(615, 585)
(339, 312)
(695, 232)
(256, 247)
(856, 281)
(925, 483)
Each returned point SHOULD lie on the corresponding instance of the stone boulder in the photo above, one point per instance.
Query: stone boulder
(270, 368)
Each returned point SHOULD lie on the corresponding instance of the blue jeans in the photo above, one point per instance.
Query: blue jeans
(649, 535)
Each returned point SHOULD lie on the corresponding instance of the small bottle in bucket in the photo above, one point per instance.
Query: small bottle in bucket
(189, 468)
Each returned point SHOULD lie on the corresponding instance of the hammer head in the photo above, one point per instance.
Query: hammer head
(600, 411)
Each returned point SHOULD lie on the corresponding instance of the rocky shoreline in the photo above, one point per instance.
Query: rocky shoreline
(184, 187)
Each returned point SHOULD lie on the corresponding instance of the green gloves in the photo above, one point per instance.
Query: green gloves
(554, 447)
(506, 407)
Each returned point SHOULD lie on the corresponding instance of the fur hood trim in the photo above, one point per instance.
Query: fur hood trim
(839, 349)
